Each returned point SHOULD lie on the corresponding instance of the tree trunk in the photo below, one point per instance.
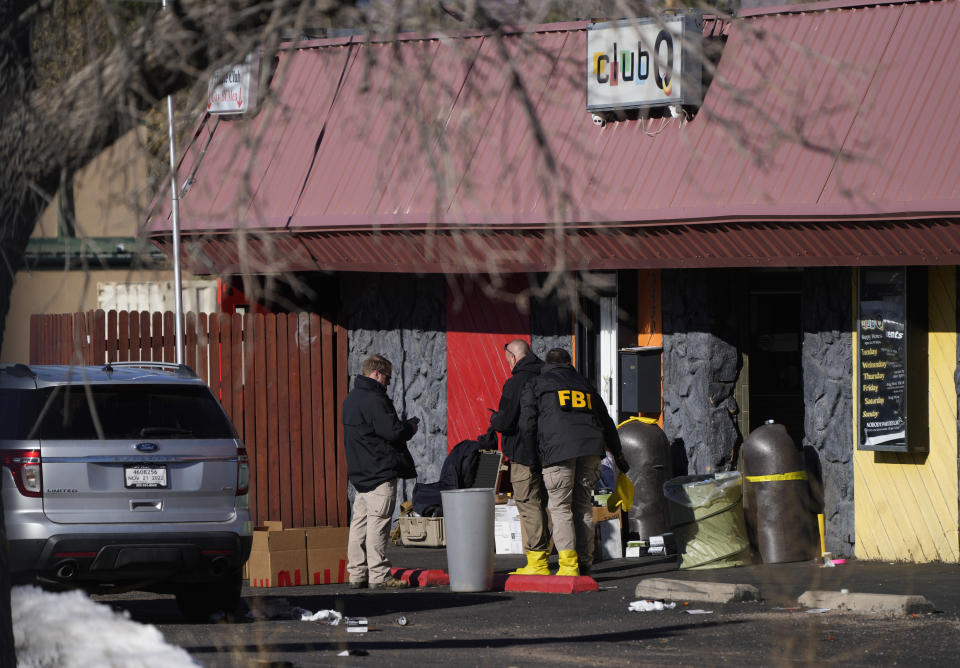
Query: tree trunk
(44, 133)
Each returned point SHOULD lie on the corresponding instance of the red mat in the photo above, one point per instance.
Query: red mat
(551, 584)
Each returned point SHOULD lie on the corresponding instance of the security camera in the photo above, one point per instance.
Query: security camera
(599, 120)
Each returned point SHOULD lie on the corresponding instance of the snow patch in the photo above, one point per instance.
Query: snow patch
(68, 630)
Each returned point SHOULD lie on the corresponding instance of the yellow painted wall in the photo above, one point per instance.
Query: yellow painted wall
(110, 194)
(905, 505)
(59, 292)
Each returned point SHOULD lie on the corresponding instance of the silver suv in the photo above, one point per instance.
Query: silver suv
(123, 476)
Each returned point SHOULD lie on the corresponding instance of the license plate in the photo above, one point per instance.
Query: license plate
(145, 476)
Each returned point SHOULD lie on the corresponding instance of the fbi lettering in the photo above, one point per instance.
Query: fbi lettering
(574, 400)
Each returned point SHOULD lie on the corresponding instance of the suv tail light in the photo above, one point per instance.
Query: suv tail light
(24, 465)
(243, 472)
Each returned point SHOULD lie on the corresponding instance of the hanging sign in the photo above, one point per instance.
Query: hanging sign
(233, 89)
(644, 63)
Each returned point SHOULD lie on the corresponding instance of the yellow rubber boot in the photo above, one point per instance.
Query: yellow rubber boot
(536, 564)
(568, 563)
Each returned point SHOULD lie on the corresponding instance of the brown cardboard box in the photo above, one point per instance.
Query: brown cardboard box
(278, 557)
(269, 525)
(601, 514)
(327, 554)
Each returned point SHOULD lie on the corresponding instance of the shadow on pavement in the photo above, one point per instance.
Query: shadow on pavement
(151, 609)
(372, 604)
(486, 642)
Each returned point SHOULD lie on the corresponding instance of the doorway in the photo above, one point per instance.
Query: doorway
(773, 365)
(597, 337)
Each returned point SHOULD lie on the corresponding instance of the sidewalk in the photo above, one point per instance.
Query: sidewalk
(779, 584)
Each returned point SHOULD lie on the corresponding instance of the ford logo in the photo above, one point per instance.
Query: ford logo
(147, 447)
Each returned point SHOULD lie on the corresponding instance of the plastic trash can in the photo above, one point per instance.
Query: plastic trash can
(468, 524)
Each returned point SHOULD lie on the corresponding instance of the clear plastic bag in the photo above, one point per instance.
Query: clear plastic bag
(706, 512)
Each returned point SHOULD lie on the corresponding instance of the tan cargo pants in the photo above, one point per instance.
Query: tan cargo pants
(369, 531)
(569, 487)
(531, 499)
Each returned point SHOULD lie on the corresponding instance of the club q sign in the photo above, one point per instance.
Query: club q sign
(644, 63)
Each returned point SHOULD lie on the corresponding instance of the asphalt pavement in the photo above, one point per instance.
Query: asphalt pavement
(501, 628)
(779, 584)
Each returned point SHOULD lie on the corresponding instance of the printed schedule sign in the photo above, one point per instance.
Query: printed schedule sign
(882, 339)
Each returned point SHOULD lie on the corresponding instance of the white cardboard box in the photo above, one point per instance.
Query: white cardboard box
(636, 548)
(507, 534)
(609, 544)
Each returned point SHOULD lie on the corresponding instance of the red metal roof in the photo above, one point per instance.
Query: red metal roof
(827, 137)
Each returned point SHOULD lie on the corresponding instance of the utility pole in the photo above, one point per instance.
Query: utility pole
(175, 213)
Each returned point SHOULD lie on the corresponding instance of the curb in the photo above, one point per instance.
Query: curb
(893, 604)
(687, 590)
(551, 584)
(418, 577)
(547, 584)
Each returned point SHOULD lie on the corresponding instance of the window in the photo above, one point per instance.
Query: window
(129, 411)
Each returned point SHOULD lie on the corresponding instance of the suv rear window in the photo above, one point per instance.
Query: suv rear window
(18, 413)
(123, 411)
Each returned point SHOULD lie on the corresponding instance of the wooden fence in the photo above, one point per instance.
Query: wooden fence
(280, 377)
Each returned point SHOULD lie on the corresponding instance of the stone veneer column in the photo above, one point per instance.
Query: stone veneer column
(700, 367)
(828, 396)
(402, 317)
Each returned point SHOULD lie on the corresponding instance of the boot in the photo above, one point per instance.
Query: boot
(568, 563)
(536, 564)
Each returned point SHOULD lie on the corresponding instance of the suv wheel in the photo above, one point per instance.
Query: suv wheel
(197, 602)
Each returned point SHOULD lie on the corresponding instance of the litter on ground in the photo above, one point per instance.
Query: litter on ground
(328, 617)
(646, 605)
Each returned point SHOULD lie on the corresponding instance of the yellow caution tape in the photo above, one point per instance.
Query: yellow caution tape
(645, 420)
(776, 477)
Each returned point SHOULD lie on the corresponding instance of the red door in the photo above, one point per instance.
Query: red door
(478, 327)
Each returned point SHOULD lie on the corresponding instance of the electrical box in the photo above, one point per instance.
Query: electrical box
(640, 380)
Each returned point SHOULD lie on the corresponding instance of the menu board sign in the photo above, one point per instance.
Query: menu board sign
(882, 340)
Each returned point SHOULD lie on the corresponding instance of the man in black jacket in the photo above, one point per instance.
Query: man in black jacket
(562, 414)
(377, 455)
(525, 475)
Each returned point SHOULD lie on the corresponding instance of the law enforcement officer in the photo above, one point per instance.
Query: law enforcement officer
(525, 475)
(377, 455)
(564, 417)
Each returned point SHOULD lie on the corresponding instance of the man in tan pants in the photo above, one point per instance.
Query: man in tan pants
(525, 476)
(377, 455)
(563, 415)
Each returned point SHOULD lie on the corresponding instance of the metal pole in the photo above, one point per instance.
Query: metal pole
(175, 209)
